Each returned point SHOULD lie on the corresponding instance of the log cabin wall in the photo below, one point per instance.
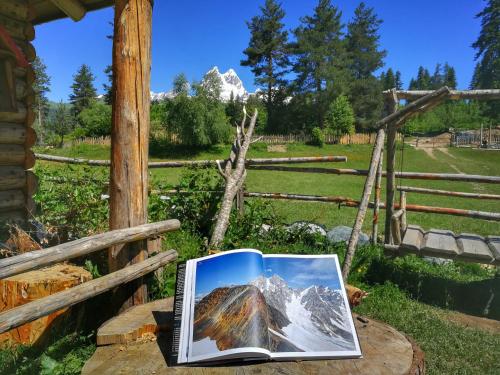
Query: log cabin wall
(17, 137)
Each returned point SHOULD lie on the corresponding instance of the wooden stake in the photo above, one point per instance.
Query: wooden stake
(376, 209)
(365, 200)
(130, 132)
(390, 163)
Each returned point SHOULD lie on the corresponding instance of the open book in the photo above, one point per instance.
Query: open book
(243, 304)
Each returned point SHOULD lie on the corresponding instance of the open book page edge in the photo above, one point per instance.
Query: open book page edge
(188, 323)
(356, 353)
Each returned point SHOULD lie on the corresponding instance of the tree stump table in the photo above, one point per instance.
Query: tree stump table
(385, 350)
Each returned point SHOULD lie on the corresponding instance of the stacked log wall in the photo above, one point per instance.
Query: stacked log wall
(17, 136)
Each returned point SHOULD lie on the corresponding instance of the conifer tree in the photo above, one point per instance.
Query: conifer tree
(108, 87)
(267, 52)
(180, 84)
(83, 89)
(449, 77)
(41, 87)
(487, 45)
(437, 79)
(365, 57)
(321, 58)
(423, 80)
(398, 81)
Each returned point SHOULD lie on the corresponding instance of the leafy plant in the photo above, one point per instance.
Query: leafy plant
(317, 137)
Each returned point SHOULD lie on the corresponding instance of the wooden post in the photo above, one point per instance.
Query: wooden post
(391, 161)
(376, 209)
(481, 137)
(489, 136)
(129, 135)
(365, 200)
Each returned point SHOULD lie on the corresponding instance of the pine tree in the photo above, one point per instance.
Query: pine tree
(437, 79)
(398, 81)
(108, 87)
(423, 81)
(365, 58)
(449, 77)
(363, 42)
(388, 79)
(61, 122)
(83, 88)
(267, 52)
(41, 87)
(180, 84)
(321, 57)
(487, 45)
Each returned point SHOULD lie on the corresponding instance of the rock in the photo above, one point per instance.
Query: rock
(343, 233)
(306, 227)
(264, 229)
(434, 260)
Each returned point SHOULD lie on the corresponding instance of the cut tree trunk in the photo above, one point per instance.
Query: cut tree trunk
(21, 289)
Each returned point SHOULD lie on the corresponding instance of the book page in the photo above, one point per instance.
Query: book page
(228, 312)
(309, 311)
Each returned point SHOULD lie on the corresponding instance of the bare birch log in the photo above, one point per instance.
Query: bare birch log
(454, 94)
(234, 173)
(365, 200)
(412, 189)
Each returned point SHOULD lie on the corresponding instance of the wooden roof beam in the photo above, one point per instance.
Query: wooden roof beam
(72, 8)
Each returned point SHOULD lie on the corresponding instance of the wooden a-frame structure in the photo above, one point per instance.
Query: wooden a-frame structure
(421, 101)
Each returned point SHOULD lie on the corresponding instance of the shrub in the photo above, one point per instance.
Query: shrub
(340, 117)
(317, 137)
(96, 119)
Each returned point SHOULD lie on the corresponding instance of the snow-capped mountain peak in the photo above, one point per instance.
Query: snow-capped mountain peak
(231, 83)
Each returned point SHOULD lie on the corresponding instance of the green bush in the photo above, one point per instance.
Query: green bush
(96, 119)
(340, 117)
(317, 137)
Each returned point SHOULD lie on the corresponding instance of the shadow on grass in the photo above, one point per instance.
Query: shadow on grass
(474, 297)
(160, 148)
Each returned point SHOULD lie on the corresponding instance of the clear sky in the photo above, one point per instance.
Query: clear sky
(304, 272)
(192, 36)
(230, 269)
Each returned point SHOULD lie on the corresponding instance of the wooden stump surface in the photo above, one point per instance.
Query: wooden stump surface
(26, 287)
(385, 351)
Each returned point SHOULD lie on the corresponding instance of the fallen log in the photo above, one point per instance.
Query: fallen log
(24, 262)
(186, 163)
(31, 311)
(454, 94)
(412, 189)
(363, 172)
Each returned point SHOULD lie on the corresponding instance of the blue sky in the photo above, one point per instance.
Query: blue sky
(304, 272)
(192, 36)
(230, 269)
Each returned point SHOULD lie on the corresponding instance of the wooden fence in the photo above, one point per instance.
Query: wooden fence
(348, 139)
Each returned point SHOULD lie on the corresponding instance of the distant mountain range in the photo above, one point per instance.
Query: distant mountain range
(231, 83)
(310, 319)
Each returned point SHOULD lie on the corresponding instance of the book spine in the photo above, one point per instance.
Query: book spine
(178, 306)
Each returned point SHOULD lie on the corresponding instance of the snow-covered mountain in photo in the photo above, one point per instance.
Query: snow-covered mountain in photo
(231, 83)
(312, 318)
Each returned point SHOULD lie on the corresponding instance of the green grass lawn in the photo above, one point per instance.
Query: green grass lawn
(413, 296)
(468, 161)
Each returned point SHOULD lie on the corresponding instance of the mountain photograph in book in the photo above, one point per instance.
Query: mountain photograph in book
(289, 306)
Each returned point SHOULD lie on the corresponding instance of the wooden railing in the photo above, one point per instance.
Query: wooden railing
(36, 309)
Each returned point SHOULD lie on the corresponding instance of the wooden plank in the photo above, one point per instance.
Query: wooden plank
(473, 248)
(27, 313)
(128, 203)
(12, 178)
(153, 317)
(385, 351)
(12, 200)
(83, 246)
(494, 245)
(440, 243)
(413, 239)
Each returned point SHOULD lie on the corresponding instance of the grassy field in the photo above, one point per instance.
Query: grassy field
(449, 161)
